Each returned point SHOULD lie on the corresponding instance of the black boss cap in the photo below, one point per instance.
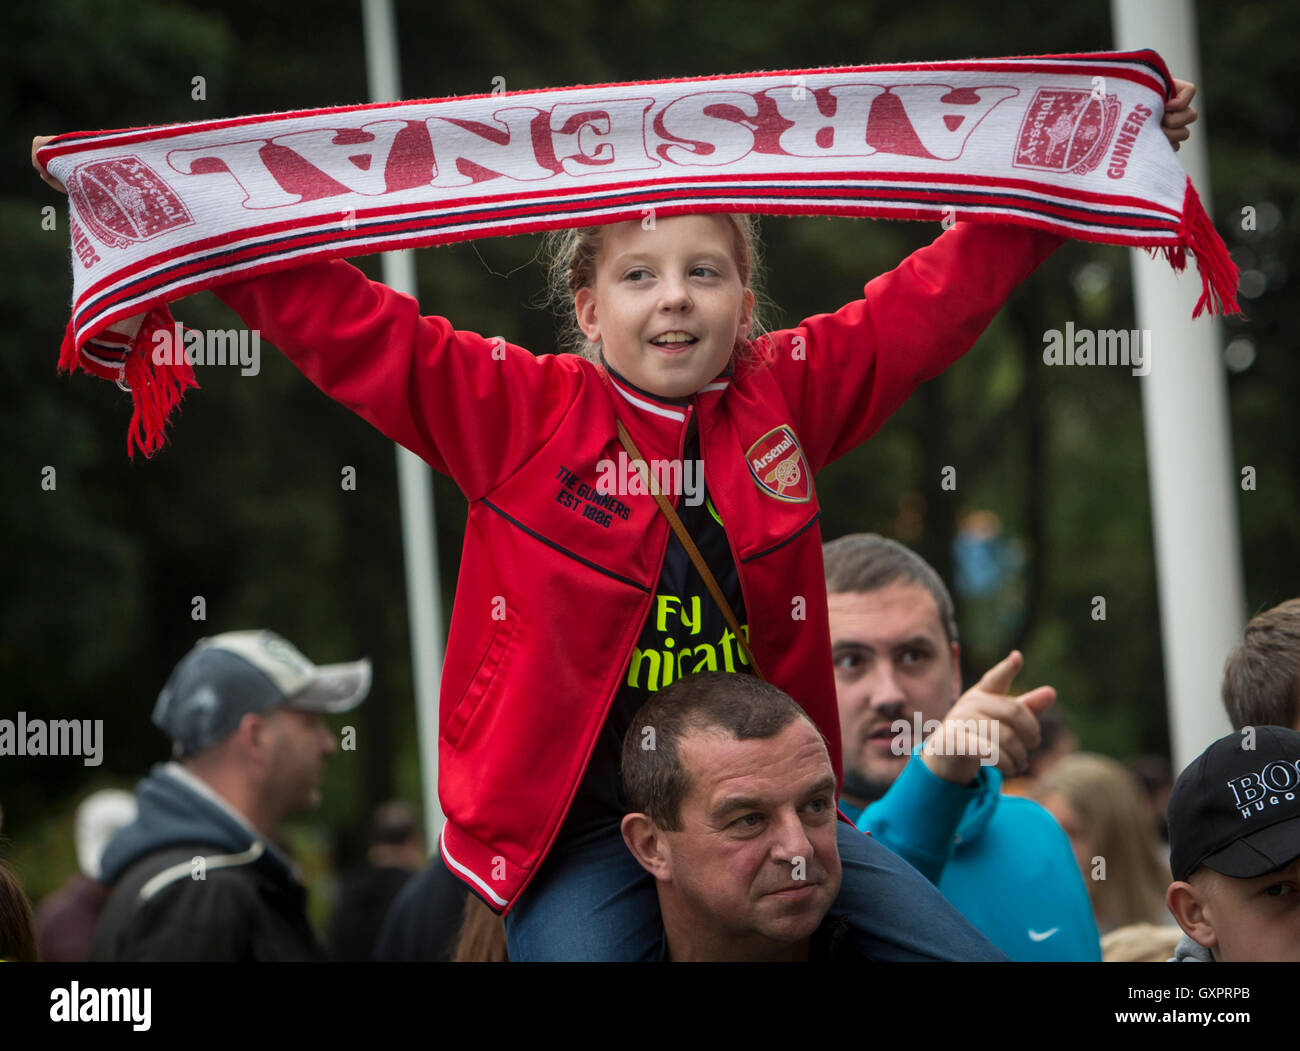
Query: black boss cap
(1236, 809)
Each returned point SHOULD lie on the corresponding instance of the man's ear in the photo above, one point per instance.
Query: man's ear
(253, 734)
(648, 845)
(956, 671)
(1189, 907)
(584, 306)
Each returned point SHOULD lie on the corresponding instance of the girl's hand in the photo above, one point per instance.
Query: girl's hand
(37, 143)
(1179, 113)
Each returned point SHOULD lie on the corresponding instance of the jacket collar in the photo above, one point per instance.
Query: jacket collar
(653, 417)
(201, 788)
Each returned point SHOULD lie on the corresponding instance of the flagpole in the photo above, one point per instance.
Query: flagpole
(414, 478)
(1189, 444)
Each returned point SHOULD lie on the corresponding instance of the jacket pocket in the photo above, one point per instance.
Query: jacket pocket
(481, 681)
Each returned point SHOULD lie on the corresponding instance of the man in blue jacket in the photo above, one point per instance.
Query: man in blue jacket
(923, 762)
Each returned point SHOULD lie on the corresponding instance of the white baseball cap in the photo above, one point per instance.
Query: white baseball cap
(225, 677)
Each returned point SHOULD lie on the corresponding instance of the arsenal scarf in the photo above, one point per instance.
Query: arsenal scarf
(1066, 143)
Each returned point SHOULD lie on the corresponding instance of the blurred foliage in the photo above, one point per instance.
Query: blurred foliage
(244, 506)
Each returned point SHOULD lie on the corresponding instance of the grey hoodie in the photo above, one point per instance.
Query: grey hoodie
(1190, 951)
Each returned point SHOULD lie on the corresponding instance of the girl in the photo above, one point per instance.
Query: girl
(1099, 804)
(576, 600)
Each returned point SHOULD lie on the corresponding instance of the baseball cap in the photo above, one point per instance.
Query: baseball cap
(225, 677)
(1235, 809)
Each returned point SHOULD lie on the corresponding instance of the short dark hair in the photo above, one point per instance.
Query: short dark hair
(654, 780)
(1261, 677)
(863, 562)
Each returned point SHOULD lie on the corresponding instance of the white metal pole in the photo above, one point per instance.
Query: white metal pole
(1189, 444)
(414, 478)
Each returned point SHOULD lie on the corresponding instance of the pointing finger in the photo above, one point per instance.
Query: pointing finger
(998, 678)
(1039, 700)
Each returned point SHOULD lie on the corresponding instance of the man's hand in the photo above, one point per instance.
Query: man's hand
(1179, 113)
(37, 143)
(987, 721)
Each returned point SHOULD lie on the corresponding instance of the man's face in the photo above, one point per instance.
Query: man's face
(298, 745)
(892, 662)
(755, 861)
(668, 305)
(1256, 920)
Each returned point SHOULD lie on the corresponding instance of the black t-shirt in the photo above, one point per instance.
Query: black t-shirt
(685, 632)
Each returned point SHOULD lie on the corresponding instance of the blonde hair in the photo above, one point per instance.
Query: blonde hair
(1108, 801)
(570, 256)
(1140, 943)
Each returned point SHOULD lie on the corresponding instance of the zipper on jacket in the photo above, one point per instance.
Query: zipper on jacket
(609, 702)
(731, 546)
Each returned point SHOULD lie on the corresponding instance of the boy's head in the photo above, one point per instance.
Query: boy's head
(666, 302)
(1261, 678)
(1234, 839)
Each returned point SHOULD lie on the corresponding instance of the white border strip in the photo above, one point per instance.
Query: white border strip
(446, 856)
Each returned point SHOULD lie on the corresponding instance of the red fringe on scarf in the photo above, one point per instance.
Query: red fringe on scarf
(1218, 272)
(156, 388)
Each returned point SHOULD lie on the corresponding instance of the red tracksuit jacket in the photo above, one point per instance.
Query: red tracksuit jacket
(554, 588)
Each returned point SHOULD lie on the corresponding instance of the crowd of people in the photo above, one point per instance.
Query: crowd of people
(733, 819)
(756, 747)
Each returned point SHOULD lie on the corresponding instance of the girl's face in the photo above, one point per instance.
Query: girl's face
(667, 305)
(1086, 849)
